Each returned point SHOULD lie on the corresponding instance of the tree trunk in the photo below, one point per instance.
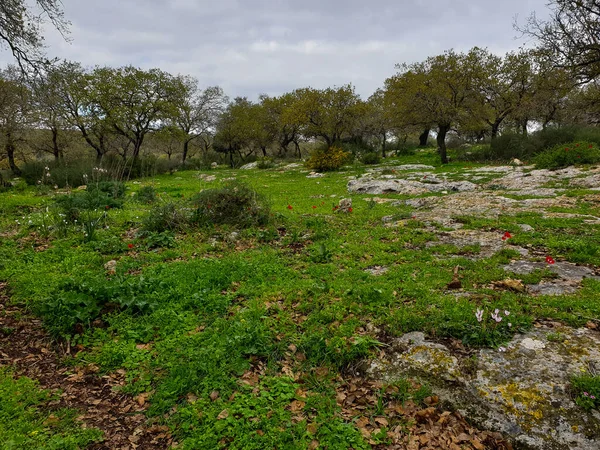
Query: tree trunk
(264, 151)
(55, 147)
(383, 142)
(441, 142)
(298, 149)
(524, 127)
(231, 157)
(186, 148)
(423, 137)
(495, 128)
(9, 147)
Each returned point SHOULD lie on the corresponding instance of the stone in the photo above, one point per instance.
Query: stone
(214, 165)
(206, 177)
(345, 205)
(315, 175)
(563, 269)
(516, 162)
(367, 185)
(526, 228)
(252, 165)
(376, 270)
(523, 391)
(111, 267)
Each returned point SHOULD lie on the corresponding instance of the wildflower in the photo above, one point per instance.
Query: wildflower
(593, 397)
(496, 316)
(550, 260)
(506, 236)
(566, 149)
(586, 394)
(591, 146)
(290, 207)
(576, 145)
(314, 206)
(509, 325)
(107, 207)
(130, 245)
(506, 313)
(479, 315)
(350, 209)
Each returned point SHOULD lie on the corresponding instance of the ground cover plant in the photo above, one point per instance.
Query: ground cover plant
(239, 313)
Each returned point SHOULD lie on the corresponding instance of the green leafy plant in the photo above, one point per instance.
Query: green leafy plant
(565, 155)
(168, 216)
(233, 204)
(323, 160)
(587, 391)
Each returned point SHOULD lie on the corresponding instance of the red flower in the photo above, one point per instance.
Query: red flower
(349, 209)
(576, 145)
(413, 217)
(107, 207)
(335, 208)
(591, 145)
(566, 149)
(550, 260)
(130, 245)
(290, 207)
(314, 207)
(506, 236)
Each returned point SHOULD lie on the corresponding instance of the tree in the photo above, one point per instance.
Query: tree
(196, 111)
(74, 87)
(50, 113)
(235, 129)
(14, 114)
(134, 102)
(20, 29)
(281, 120)
(329, 114)
(571, 36)
(441, 90)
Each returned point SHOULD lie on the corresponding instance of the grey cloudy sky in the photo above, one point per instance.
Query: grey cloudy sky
(273, 46)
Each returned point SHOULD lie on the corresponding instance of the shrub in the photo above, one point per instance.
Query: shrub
(323, 160)
(233, 204)
(509, 146)
(567, 155)
(265, 163)
(147, 195)
(370, 158)
(168, 216)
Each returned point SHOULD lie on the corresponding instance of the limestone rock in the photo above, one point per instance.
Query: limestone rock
(252, 165)
(522, 391)
(214, 165)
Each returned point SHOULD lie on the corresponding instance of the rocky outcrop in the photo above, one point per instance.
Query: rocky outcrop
(522, 391)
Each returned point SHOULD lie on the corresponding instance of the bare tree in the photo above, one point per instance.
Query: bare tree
(20, 30)
(571, 36)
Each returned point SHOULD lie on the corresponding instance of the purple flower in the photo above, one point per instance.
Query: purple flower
(586, 394)
(479, 315)
(496, 316)
(506, 313)
(593, 397)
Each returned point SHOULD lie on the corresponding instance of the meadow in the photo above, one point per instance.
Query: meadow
(256, 334)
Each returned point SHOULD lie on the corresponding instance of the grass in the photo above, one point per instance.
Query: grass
(260, 318)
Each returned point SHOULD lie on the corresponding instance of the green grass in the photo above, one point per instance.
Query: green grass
(194, 311)
(27, 423)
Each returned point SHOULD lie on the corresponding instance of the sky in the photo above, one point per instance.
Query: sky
(252, 47)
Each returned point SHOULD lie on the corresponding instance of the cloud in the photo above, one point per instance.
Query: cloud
(271, 46)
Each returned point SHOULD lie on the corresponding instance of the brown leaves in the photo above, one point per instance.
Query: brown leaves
(223, 415)
(509, 285)
(455, 283)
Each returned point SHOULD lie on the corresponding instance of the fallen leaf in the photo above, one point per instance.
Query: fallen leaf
(214, 395)
(223, 415)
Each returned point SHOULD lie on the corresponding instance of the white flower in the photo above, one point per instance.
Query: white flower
(501, 349)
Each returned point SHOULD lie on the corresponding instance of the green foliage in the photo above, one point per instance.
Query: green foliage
(370, 158)
(587, 391)
(569, 154)
(147, 195)
(233, 204)
(508, 146)
(26, 422)
(265, 163)
(324, 160)
(167, 216)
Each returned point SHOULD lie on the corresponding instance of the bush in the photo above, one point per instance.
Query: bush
(168, 216)
(370, 158)
(70, 174)
(147, 195)
(586, 387)
(566, 155)
(323, 160)
(509, 146)
(265, 163)
(233, 204)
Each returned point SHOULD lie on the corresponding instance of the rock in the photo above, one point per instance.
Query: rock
(213, 165)
(523, 392)
(552, 288)
(249, 166)
(345, 205)
(83, 187)
(565, 270)
(376, 270)
(232, 237)
(292, 166)
(206, 177)
(516, 162)
(111, 267)
(368, 185)
(315, 175)
(526, 228)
